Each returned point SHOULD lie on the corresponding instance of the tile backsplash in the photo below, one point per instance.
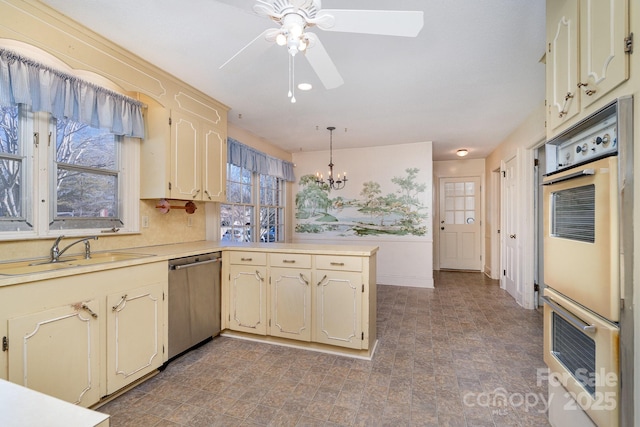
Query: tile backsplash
(176, 226)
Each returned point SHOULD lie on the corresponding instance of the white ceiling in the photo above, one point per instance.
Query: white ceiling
(468, 80)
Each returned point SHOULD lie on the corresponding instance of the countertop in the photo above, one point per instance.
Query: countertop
(162, 253)
(22, 407)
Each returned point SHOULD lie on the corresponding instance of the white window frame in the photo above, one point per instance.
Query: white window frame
(256, 206)
(38, 186)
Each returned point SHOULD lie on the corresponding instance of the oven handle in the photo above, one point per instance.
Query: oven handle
(579, 174)
(578, 323)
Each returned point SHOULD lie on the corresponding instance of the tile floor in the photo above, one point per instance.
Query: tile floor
(462, 354)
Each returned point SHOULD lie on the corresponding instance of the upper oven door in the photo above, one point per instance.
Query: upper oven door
(581, 235)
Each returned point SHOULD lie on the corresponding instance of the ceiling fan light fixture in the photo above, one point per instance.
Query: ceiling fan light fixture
(462, 152)
(281, 39)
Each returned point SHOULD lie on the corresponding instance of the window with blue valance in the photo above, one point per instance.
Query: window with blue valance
(64, 96)
(241, 155)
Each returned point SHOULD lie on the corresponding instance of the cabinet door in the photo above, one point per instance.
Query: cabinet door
(185, 157)
(214, 169)
(562, 61)
(291, 303)
(56, 352)
(604, 63)
(338, 315)
(248, 299)
(134, 334)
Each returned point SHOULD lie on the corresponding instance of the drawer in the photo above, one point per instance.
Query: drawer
(248, 258)
(290, 260)
(342, 263)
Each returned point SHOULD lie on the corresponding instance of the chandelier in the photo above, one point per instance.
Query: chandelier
(334, 184)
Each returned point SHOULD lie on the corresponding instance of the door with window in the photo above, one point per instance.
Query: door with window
(460, 223)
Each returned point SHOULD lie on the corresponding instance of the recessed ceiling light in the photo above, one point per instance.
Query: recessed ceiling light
(305, 86)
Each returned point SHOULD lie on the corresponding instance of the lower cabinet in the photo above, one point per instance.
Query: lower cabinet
(134, 335)
(338, 298)
(82, 337)
(248, 302)
(290, 291)
(57, 352)
(324, 299)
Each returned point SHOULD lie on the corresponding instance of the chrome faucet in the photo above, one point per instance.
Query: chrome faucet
(56, 252)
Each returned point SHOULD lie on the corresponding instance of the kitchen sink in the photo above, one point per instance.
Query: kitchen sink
(41, 266)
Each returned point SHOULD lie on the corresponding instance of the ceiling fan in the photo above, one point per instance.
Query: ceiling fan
(295, 17)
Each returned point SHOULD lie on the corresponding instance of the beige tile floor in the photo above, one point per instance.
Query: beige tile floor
(462, 354)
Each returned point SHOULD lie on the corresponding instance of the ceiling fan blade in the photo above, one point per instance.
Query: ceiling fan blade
(385, 22)
(322, 64)
(256, 46)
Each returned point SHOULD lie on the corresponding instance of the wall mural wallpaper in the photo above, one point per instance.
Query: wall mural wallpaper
(399, 213)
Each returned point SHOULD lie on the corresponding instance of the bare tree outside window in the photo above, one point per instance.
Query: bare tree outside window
(10, 165)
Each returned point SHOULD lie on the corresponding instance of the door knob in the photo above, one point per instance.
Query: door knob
(441, 228)
(513, 236)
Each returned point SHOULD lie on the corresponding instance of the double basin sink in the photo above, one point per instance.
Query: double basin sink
(16, 268)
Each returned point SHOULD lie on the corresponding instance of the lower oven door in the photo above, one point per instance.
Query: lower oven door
(582, 353)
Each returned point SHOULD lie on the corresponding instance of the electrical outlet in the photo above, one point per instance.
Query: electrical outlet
(145, 221)
(189, 221)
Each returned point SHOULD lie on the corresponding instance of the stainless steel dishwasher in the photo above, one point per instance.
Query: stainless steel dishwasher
(194, 301)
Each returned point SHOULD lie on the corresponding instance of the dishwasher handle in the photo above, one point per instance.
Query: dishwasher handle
(193, 264)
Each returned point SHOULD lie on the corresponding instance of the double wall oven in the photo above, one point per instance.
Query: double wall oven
(581, 209)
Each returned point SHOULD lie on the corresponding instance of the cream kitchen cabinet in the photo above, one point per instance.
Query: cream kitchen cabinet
(84, 336)
(290, 281)
(248, 292)
(301, 295)
(338, 298)
(586, 54)
(184, 155)
(56, 351)
(134, 334)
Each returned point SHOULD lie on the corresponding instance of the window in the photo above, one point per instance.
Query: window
(14, 202)
(83, 185)
(254, 211)
(86, 175)
(63, 170)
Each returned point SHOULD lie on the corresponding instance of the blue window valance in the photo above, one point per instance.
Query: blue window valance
(256, 161)
(26, 81)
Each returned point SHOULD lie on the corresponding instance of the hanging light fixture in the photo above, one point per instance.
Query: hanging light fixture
(292, 36)
(462, 152)
(334, 183)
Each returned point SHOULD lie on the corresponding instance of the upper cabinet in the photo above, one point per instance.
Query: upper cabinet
(184, 155)
(587, 54)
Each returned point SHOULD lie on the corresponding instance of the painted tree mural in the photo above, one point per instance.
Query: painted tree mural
(397, 213)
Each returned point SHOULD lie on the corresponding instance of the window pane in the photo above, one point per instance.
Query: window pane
(85, 195)
(10, 165)
(15, 212)
(86, 177)
(81, 145)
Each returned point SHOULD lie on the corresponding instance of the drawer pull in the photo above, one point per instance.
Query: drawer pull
(246, 259)
(120, 303)
(289, 261)
(337, 264)
(86, 308)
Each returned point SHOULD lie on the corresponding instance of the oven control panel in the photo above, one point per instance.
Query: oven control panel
(597, 141)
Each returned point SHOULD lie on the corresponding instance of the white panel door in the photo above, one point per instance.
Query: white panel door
(460, 223)
(510, 236)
